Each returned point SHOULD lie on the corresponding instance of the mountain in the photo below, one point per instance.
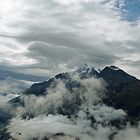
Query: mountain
(116, 78)
(82, 71)
(79, 105)
(123, 90)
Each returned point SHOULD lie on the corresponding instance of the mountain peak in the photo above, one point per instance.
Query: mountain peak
(82, 68)
(85, 71)
(114, 67)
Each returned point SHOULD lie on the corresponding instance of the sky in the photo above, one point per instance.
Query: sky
(44, 37)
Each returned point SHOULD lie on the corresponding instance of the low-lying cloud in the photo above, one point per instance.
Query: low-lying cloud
(11, 88)
(61, 114)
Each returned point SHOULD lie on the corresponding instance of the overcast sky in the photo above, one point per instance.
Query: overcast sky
(42, 37)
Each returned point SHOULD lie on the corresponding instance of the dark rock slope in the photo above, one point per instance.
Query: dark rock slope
(123, 90)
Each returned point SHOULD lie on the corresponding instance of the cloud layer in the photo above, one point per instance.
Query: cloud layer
(46, 37)
(62, 114)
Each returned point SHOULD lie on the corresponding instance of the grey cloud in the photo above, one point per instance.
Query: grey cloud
(77, 32)
(60, 53)
(18, 73)
(51, 55)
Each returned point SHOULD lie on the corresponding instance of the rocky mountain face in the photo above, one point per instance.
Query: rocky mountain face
(83, 72)
(123, 90)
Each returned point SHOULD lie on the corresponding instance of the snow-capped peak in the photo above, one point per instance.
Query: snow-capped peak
(82, 68)
(114, 68)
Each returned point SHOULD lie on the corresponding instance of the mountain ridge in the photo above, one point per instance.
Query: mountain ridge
(120, 85)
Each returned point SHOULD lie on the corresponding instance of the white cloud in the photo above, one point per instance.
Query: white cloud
(91, 92)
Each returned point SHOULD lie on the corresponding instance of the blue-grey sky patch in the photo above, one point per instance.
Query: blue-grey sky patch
(130, 10)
